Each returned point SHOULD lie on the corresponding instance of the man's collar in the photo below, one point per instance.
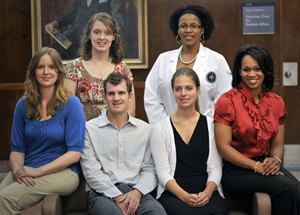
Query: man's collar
(103, 120)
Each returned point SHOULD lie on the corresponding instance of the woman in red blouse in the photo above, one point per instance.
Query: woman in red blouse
(249, 131)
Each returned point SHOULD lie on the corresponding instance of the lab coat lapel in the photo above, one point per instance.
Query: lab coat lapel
(174, 60)
(200, 58)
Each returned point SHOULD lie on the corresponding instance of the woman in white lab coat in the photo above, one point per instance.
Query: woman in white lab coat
(191, 25)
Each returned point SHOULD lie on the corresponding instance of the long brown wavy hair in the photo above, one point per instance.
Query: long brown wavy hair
(116, 51)
(32, 93)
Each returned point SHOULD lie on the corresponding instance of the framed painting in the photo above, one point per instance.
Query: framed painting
(71, 17)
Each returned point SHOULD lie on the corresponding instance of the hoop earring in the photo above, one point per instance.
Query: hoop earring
(178, 39)
(202, 39)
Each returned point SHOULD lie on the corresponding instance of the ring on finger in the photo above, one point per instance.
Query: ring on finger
(20, 172)
(275, 167)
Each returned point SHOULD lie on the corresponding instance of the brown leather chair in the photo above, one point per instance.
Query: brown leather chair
(75, 204)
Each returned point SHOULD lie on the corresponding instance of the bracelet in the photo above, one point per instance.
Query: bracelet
(279, 160)
(256, 165)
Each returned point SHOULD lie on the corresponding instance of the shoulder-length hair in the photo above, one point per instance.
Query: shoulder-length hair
(193, 75)
(116, 49)
(263, 59)
(32, 93)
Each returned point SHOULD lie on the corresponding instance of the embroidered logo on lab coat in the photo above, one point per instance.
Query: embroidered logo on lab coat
(211, 77)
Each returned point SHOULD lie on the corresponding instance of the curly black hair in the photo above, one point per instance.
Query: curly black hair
(263, 59)
(204, 15)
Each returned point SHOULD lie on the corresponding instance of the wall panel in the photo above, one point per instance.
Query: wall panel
(291, 53)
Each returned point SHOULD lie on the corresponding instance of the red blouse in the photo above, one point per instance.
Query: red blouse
(253, 125)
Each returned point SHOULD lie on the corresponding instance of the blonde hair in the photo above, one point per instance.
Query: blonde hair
(33, 96)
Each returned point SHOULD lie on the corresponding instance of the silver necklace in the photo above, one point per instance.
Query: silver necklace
(187, 63)
(99, 67)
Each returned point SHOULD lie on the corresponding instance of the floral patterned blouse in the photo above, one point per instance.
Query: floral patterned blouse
(253, 125)
(90, 88)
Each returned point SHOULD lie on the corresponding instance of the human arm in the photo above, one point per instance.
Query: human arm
(223, 135)
(276, 145)
(276, 150)
(71, 78)
(132, 104)
(71, 85)
(214, 167)
(147, 175)
(189, 199)
(204, 196)
(58, 164)
(92, 167)
(18, 142)
(163, 157)
(129, 202)
(153, 101)
(65, 19)
(224, 79)
(51, 26)
(17, 162)
(73, 139)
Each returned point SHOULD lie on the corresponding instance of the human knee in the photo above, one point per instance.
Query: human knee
(4, 197)
(290, 189)
(7, 203)
(99, 205)
(152, 207)
(158, 209)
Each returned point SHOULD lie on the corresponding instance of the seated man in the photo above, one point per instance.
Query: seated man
(116, 159)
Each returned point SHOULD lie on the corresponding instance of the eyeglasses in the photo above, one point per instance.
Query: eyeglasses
(192, 27)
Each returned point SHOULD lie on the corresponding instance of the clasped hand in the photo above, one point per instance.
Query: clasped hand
(196, 200)
(270, 166)
(26, 174)
(129, 202)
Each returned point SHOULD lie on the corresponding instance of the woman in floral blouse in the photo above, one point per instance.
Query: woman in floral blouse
(101, 53)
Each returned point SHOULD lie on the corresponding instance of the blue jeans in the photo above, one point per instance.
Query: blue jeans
(97, 204)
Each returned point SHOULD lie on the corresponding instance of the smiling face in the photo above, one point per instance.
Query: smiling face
(117, 98)
(101, 37)
(185, 91)
(252, 75)
(46, 73)
(190, 37)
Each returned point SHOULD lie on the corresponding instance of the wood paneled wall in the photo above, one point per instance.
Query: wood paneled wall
(15, 46)
(290, 28)
(15, 54)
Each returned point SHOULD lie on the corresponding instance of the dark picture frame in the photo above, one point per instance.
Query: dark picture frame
(134, 29)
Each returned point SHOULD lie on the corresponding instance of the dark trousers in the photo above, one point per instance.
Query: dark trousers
(97, 204)
(283, 190)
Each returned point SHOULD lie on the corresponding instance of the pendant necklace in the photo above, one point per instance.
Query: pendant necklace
(187, 63)
(99, 67)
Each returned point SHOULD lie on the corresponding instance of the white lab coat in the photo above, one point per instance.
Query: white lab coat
(159, 100)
